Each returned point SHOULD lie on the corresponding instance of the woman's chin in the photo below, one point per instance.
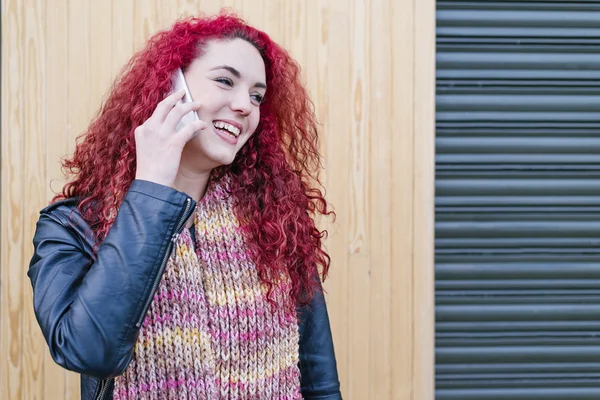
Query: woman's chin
(208, 154)
(219, 155)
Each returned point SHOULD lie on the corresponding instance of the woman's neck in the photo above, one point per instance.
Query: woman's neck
(192, 183)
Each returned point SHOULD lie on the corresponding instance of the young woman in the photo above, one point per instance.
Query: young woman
(184, 262)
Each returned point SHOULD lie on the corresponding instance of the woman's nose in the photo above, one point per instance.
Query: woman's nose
(241, 103)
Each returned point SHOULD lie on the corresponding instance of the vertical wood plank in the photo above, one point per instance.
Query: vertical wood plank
(210, 7)
(254, 12)
(359, 285)
(13, 64)
(100, 56)
(382, 107)
(57, 84)
(296, 14)
(275, 22)
(402, 348)
(188, 7)
(315, 64)
(34, 174)
(146, 21)
(122, 34)
(79, 59)
(166, 14)
(337, 130)
(424, 178)
(57, 139)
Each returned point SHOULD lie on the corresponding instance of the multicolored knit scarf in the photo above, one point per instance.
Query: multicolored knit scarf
(210, 332)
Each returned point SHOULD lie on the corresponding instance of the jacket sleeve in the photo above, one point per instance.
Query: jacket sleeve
(87, 308)
(318, 367)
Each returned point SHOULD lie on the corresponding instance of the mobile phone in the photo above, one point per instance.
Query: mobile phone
(179, 83)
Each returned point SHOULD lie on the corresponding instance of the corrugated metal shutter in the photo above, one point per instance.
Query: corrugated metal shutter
(518, 200)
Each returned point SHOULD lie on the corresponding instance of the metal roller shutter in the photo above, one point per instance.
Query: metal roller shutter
(518, 200)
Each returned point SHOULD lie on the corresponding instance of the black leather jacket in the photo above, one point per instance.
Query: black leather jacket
(90, 308)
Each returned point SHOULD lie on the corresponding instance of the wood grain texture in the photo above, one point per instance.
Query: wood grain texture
(423, 196)
(56, 121)
(402, 213)
(369, 68)
(14, 57)
(33, 175)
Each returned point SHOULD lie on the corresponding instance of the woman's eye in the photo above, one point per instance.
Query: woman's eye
(225, 81)
(258, 98)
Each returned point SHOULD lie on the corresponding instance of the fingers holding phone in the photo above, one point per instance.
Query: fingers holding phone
(161, 138)
(180, 122)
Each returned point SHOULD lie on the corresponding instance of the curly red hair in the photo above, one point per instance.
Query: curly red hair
(275, 175)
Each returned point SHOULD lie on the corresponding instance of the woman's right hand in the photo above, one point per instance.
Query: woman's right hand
(158, 145)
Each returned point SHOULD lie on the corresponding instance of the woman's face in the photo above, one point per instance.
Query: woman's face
(229, 81)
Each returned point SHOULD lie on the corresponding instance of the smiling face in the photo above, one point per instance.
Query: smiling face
(229, 81)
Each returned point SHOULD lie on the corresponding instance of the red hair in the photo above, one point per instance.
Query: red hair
(275, 175)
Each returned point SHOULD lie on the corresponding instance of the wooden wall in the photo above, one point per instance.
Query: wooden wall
(369, 65)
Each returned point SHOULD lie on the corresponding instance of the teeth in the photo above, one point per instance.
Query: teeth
(228, 127)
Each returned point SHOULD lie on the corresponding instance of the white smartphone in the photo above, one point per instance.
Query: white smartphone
(179, 84)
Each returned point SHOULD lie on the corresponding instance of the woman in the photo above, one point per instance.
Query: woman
(183, 263)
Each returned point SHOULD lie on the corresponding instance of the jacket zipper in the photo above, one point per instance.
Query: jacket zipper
(181, 223)
(102, 388)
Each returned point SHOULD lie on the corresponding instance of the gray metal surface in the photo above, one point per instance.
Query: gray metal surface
(518, 200)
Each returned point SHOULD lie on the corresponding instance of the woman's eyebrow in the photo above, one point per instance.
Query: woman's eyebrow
(237, 74)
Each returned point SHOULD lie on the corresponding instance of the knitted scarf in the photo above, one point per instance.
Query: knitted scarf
(210, 332)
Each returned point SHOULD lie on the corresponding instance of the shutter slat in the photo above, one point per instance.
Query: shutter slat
(519, 368)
